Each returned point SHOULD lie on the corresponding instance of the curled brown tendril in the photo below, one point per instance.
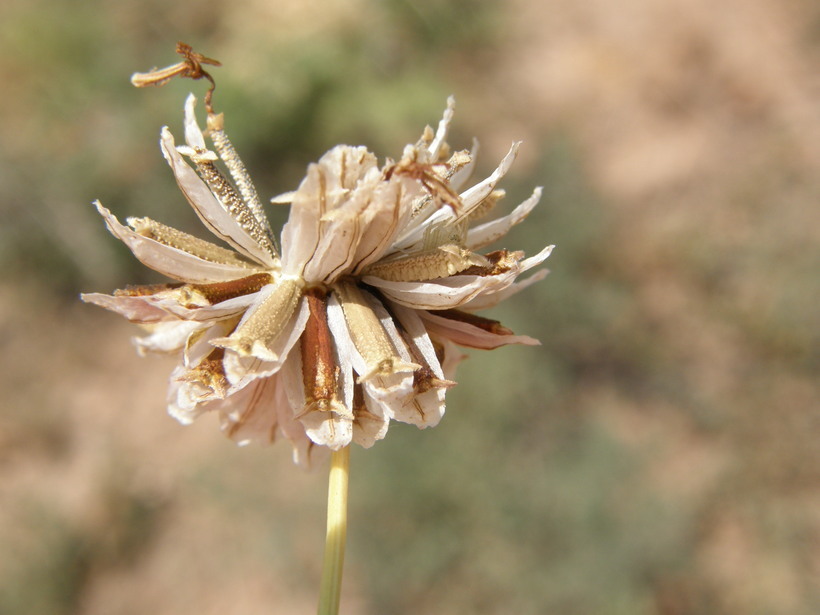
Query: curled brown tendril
(190, 67)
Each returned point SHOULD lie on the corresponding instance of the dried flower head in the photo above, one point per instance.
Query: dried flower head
(356, 319)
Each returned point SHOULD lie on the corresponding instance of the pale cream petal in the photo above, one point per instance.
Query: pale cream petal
(172, 304)
(485, 234)
(175, 262)
(362, 228)
(250, 414)
(435, 148)
(198, 346)
(300, 235)
(306, 453)
(383, 394)
(186, 399)
(534, 261)
(442, 294)
(485, 302)
(473, 196)
(135, 309)
(309, 233)
(424, 409)
(189, 311)
(425, 406)
(328, 429)
(341, 230)
(168, 337)
(193, 133)
(212, 213)
(383, 223)
(370, 423)
(286, 198)
(416, 331)
(465, 333)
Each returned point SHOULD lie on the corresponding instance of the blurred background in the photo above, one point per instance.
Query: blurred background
(657, 455)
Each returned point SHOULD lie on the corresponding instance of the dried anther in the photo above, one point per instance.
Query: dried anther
(190, 67)
(427, 175)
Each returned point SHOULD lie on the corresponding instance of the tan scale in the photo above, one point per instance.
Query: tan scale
(437, 263)
(231, 199)
(368, 334)
(237, 169)
(320, 369)
(217, 292)
(266, 323)
(485, 206)
(188, 243)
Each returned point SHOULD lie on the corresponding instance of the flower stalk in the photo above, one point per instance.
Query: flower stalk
(331, 587)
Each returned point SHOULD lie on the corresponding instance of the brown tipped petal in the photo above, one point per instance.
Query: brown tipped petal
(181, 303)
(177, 262)
(330, 426)
(320, 366)
(473, 331)
(435, 148)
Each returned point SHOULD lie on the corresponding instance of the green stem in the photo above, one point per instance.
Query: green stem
(331, 587)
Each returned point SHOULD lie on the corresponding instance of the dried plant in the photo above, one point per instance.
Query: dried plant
(354, 321)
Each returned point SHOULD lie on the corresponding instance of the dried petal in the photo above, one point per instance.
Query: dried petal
(473, 331)
(489, 232)
(320, 368)
(265, 321)
(381, 361)
(216, 217)
(178, 255)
